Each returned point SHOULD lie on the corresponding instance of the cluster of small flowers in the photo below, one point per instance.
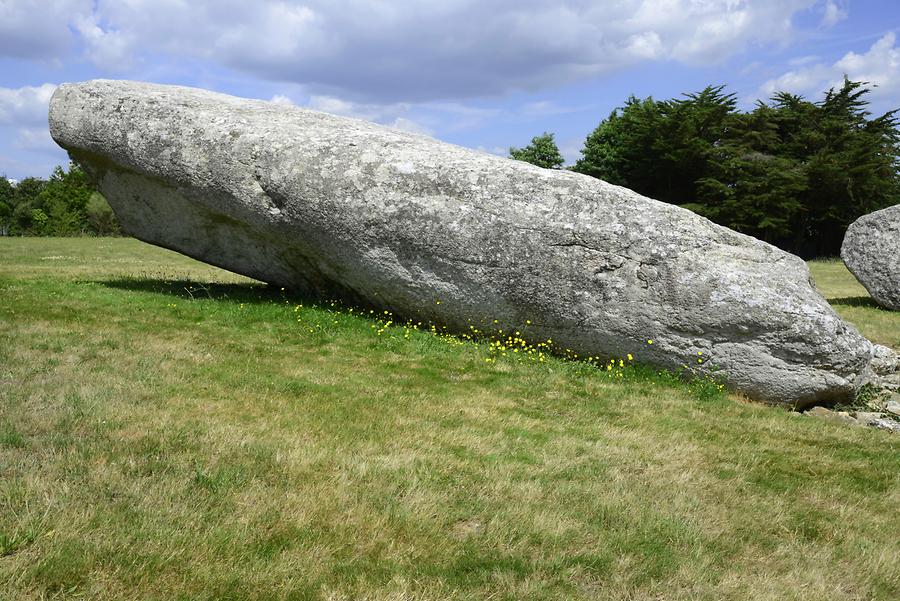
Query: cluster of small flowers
(499, 344)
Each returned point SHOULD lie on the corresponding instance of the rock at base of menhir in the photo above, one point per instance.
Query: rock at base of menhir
(871, 251)
(340, 207)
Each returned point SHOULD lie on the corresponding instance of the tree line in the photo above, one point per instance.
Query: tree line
(65, 204)
(792, 172)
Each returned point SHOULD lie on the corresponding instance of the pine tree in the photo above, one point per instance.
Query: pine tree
(64, 200)
(66, 204)
(792, 172)
(748, 186)
(624, 149)
(7, 203)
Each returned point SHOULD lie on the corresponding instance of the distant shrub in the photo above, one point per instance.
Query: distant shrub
(101, 219)
(66, 204)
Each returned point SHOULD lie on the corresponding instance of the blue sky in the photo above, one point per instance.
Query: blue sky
(483, 74)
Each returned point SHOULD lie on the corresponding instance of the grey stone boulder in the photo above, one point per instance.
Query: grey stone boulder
(872, 419)
(838, 417)
(871, 251)
(338, 207)
(885, 424)
(893, 406)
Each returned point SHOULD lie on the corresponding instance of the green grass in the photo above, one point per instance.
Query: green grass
(172, 431)
(851, 300)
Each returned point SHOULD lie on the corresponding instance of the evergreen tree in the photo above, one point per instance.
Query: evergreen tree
(692, 129)
(748, 186)
(542, 151)
(64, 205)
(624, 148)
(25, 203)
(659, 148)
(64, 200)
(100, 217)
(850, 163)
(792, 172)
(7, 203)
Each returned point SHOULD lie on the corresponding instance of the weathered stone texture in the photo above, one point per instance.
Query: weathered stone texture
(337, 206)
(871, 250)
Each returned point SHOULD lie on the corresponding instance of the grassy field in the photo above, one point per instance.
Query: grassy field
(172, 431)
(854, 304)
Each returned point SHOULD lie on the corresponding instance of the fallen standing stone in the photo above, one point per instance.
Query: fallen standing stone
(340, 207)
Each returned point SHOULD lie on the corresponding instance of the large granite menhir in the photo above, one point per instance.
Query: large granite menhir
(337, 206)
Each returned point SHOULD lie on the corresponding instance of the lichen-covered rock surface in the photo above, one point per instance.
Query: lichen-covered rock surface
(871, 251)
(340, 207)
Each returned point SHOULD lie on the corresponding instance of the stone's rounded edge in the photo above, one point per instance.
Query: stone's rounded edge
(871, 251)
(573, 217)
(848, 246)
(803, 386)
(55, 121)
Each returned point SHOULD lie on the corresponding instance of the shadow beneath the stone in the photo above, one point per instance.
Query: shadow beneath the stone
(193, 290)
(855, 301)
(243, 292)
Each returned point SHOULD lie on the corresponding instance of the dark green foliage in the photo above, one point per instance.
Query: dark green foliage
(749, 185)
(24, 206)
(7, 192)
(100, 217)
(658, 148)
(622, 148)
(542, 151)
(792, 172)
(64, 205)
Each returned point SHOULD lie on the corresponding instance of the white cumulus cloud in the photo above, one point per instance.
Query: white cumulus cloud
(880, 66)
(395, 115)
(407, 50)
(408, 125)
(23, 127)
(35, 138)
(108, 49)
(27, 105)
(38, 29)
(282, 99)
(833, 13)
